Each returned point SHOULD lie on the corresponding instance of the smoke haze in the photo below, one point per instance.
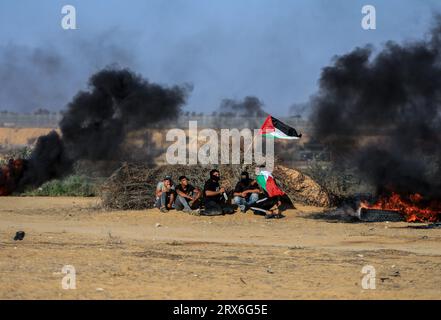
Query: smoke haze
(226, 48)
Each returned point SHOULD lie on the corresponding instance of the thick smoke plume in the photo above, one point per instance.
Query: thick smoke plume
(97, 121)
(119, 101)
(382, 114)
(47, 161)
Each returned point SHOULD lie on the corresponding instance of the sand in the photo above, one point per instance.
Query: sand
(152, 255)
(21, 136)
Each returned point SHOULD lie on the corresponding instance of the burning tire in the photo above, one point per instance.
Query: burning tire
(378, 215)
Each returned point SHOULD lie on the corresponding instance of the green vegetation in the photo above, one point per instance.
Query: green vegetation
(19, 153)
(73, 185)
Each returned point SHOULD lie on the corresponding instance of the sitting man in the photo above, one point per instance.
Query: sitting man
(270, 205)
(246, 192)
(165, 194)
(215, 196)
(188, 197)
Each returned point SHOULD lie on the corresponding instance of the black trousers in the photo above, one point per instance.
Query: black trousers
(264, 204)
(215, 208)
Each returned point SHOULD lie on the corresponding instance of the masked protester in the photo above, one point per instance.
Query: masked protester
(215, 196)
(270, 204)
(165, 194)
(187, 197)
(246, 192)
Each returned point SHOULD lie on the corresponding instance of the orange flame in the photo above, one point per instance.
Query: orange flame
(413, 207)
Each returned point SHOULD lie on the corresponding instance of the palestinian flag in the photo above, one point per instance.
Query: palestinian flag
(267, 182)
(274, 128)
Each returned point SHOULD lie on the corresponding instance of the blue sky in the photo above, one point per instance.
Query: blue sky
(274, 49)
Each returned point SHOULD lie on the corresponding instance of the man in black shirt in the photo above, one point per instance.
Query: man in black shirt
(246, 192)
(187, 197)
(215, 196)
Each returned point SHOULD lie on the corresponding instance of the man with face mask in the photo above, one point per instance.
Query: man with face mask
(215, 196)
(246, 192)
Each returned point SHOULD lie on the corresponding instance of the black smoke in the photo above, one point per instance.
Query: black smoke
(97, 121)
(245, 113)
(250, 106)
(382, 114)
(47, 161)
(118, 102)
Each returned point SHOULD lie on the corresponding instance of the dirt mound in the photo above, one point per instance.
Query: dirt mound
(133, 186)
(301, 187)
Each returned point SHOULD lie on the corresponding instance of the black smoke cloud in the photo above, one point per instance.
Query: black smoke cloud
(47, 161)
(245, 113)
(250, 106)
(382, 114)
(98, 120)
(119, 101)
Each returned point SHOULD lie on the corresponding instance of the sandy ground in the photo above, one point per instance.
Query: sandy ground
(152, 255)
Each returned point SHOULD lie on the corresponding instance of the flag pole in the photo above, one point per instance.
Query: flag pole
(251, 145)
(252, 142)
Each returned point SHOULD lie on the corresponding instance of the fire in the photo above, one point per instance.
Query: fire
(10, 174)
(414, 207)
